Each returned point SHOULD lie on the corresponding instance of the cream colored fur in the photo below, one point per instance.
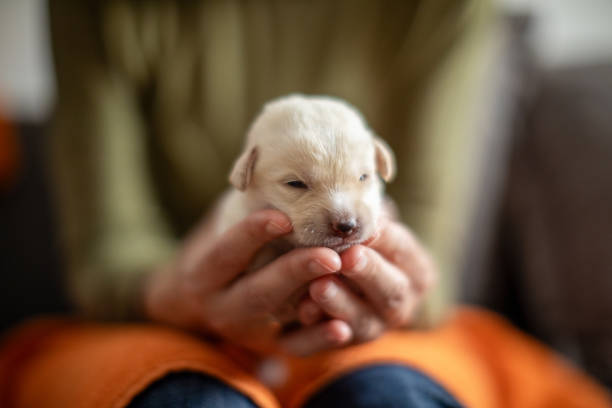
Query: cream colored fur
(325, 144)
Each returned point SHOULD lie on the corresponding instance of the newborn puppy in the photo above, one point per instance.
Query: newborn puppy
(315, 159)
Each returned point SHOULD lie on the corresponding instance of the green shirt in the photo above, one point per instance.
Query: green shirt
(155, 98)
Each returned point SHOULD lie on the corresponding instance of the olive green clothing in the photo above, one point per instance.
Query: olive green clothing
(155, 98)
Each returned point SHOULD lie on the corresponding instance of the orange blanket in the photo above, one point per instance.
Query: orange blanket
(477, 356)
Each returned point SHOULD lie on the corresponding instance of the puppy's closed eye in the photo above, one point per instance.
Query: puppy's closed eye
(297, 184)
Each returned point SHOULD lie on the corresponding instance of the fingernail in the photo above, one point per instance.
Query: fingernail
(344, 333)
(340, 334)
(276, 229)
(316, 266)
(330, 291)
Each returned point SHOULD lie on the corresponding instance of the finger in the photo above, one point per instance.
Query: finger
(323, 336)
(399, 246)
(387, 288)
(309, 312)
(216, 265)
(268, 289)
(339, 302)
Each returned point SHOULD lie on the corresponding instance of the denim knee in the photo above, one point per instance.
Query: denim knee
(190, 390)
(385, 386)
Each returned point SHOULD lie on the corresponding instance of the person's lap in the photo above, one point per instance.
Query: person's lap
(372, 386)
(478, 357)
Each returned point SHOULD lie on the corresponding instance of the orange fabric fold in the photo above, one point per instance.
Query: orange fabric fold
(476, 355)
(89, 365)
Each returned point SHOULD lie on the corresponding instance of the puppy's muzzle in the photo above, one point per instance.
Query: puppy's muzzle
(344, 228)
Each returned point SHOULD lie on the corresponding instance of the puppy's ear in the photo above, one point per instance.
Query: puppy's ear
(241, 174)
(385, 160)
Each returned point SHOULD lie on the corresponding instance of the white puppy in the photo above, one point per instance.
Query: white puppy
(315, 159)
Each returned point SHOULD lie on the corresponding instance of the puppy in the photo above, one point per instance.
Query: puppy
(315, 159)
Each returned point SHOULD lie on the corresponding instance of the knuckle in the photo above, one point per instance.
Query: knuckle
(211, 317)
(401, 316)
(430, 272)
(423, 273)
(397, 294)
(324, 295)
(218, 323)
(368, 328)
(397, 305)
(397, 317)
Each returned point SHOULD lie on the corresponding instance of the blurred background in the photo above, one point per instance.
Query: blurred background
(539, 247)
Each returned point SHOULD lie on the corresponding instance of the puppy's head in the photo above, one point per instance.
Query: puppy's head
(314, 159)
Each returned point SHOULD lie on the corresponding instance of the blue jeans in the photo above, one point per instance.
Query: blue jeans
(385, 386)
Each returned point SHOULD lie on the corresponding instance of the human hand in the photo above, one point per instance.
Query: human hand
(382, 284)
(205, 289)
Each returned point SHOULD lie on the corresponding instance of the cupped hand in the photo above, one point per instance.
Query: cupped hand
(205, 288)
(379, 287)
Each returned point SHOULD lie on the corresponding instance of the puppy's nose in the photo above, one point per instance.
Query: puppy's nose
(344, 228)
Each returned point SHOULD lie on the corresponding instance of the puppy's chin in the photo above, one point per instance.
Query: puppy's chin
(338, 244)
(343, 247)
